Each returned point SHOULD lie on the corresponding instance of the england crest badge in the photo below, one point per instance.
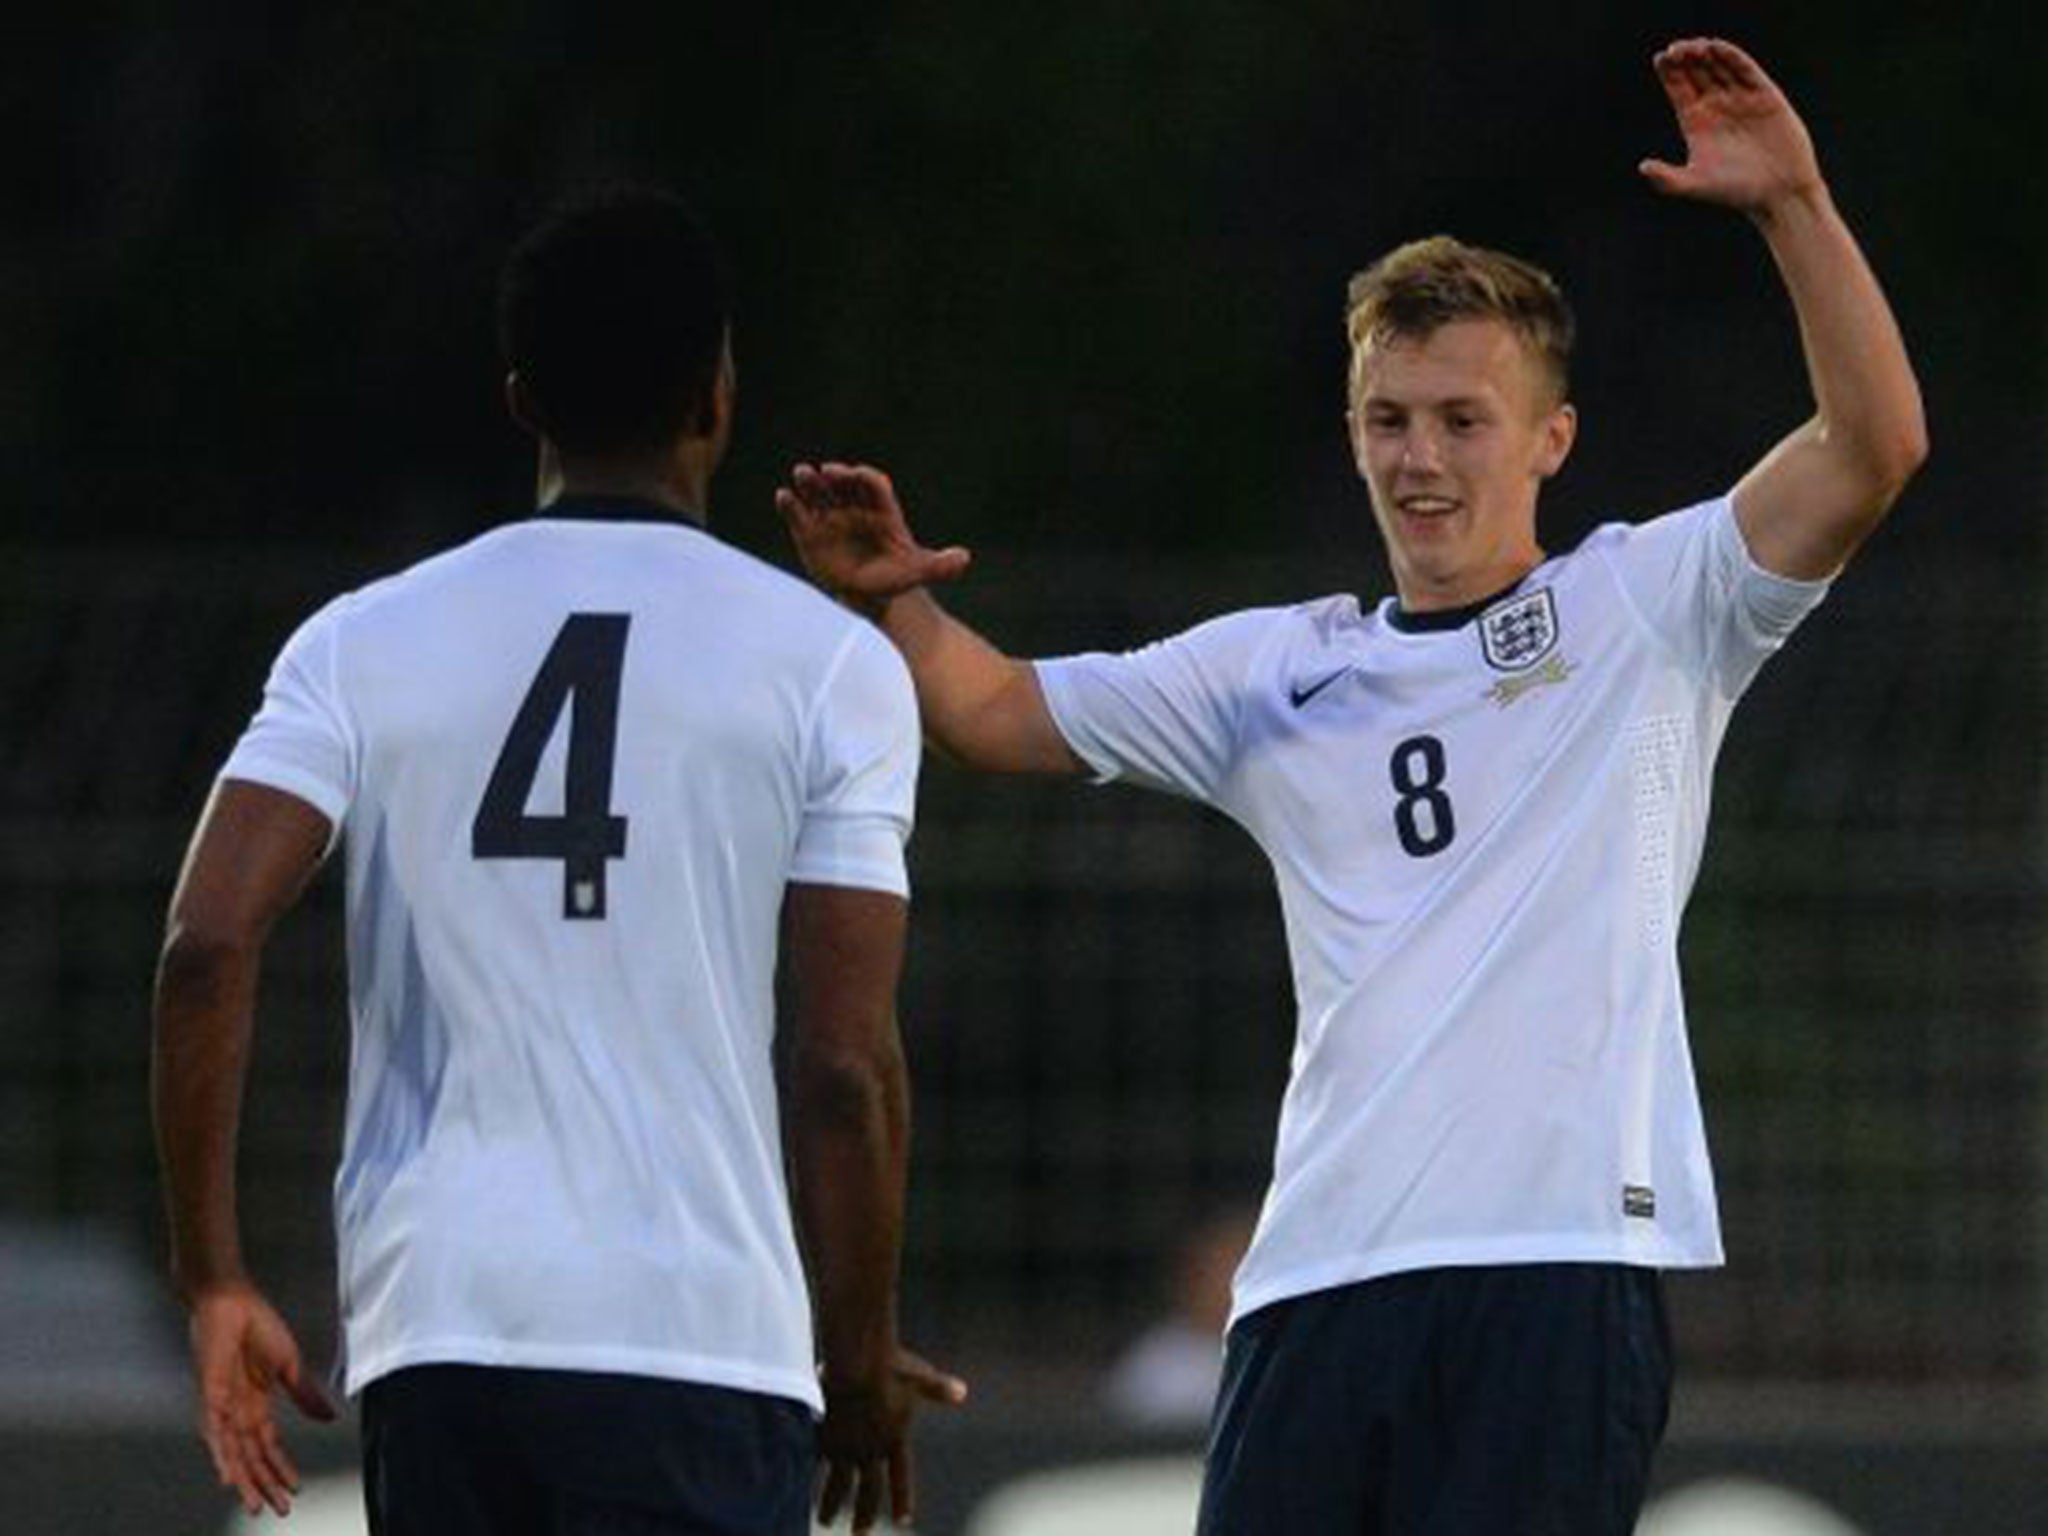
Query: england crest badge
(1519, 631)
(1519, 637)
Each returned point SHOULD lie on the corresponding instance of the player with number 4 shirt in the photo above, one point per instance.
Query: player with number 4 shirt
(613, 1228)
(1484, 799)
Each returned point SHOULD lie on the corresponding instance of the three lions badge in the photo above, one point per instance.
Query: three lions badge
(1519, 637)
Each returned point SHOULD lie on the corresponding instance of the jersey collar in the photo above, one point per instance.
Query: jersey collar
(1435, 620)
(616, 509)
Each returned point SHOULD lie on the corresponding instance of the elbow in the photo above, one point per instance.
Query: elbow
(844, 1088)
(1876, 467)
(1902, 455)
(1894, 456)
(200, 960)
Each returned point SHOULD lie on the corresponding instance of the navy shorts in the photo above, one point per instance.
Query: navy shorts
(464, 1450)
(1523, 1399)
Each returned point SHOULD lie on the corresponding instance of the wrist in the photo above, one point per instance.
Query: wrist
(852, 1382)
(194, 1277)
(195, 1288)
(1803, 199)
(860, 1364)
(872, 606)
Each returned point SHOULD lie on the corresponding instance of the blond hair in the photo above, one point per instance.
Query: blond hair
(1415, 288)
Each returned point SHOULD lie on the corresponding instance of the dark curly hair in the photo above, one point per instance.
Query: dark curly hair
(613, 312)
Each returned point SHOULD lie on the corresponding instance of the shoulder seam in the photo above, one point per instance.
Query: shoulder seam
(816, 706)
(343, 706)
(1267, 642)
(1628, 600)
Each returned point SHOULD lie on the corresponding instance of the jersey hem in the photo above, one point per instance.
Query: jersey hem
(296, 782)
(1052, 688)
(859, 877)
(662, 1364)
(848, 879)
(1463, 1255)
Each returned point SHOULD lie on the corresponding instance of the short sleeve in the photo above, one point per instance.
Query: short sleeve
(861, 772)
(1165, 716)
(300, 740)
(1692, 578)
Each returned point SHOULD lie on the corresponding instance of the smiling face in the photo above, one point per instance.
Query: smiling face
(1455, 431)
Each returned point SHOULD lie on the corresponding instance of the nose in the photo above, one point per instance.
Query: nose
(1420, 450)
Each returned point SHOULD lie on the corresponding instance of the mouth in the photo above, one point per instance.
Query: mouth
(1426, 506)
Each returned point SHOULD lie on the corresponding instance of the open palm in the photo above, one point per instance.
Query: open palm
(242, 1354)
(852, 537)
(1745, 147)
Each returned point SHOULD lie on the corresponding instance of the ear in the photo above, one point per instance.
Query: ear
(1354, 420)
(1554, 446)
(715, 418)
(519, 403)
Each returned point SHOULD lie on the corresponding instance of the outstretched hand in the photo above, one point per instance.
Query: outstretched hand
(865, 1441)
(241, 1351)
(1745, 147)
(852, 538)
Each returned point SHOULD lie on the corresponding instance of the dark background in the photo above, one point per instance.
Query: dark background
(1073, 272)
(1075, 275)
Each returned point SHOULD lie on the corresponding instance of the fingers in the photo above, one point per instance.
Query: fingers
(883, 1469)
(795, 513)
(831, 486)
(832, 1497)
(861, 481)
(1691, 75)
(274, 1359)
(1737, 67)
(928, 1381)
(249, 1457)
(947, 564)
(223, 1448)
(1697, 66)
(902, 1484)
(241, 1351)
(867, 1496)
(1666, 177)
(277, 1477)
(851, 536)
(1698, 57)
(1682, 86)
(266, 1464)
(309, 1395)
(865, 1481)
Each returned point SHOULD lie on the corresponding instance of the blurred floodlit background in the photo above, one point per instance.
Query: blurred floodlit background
(1074, 274)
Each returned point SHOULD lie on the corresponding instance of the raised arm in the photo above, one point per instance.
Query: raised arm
(1817, 495)
(846, 1123)
(250, 858)
(980, 707)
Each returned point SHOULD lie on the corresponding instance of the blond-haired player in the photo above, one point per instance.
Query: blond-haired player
(1484, 799)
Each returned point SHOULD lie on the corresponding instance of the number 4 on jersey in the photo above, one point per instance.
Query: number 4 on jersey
(580, 674)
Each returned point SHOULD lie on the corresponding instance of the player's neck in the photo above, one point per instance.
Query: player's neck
(679, 483)
(1419, 593)
(1448, 605)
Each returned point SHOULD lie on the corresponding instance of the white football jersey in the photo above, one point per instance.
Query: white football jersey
(575, 763)
(1484, 826)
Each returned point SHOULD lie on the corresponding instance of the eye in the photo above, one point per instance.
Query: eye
(1465, 421)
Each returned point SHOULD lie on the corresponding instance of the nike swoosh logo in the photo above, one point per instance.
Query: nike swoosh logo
(1301, 696)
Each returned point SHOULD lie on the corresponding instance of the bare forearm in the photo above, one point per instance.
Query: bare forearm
(849, 1136)
(1810, 501)
(980, 707)
(1867, 399)
(204, 1000)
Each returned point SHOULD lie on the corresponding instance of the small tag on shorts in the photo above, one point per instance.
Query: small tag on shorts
(1639, 1201)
